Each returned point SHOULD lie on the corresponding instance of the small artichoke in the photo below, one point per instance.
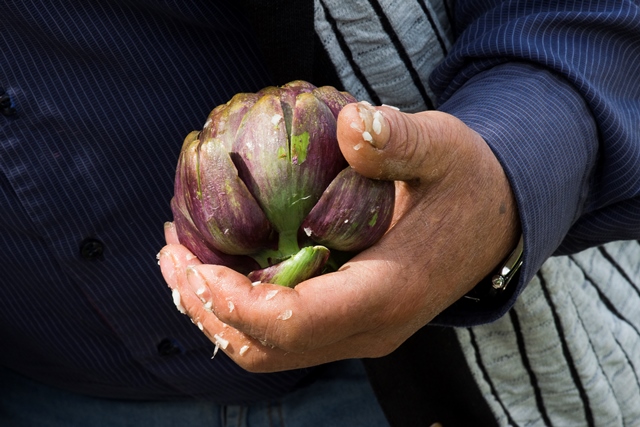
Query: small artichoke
(264, 188)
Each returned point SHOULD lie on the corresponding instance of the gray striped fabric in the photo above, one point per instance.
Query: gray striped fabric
(568, 352)
(385, 51)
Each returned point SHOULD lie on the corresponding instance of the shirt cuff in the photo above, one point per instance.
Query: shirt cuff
(543, 134)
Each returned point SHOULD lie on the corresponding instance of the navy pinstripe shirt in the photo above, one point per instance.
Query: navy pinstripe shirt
(105, 92)
(554, 89)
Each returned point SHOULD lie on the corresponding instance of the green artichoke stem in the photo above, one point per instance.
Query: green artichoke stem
(287, 247)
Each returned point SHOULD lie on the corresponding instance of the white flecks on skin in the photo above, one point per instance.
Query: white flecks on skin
(285, 315)
(357, 146)
(271, 294)
(355, 126)
(200, 291)
(256, 283)
(367, 103)
(243, 350)
(391, 106)
(231, 306)
(200, 326)
(367, 136)
(176, 300)
(208, 306)
(377, 122)
(190, 257)
(221, 341)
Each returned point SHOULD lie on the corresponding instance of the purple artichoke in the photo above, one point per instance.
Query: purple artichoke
(265, 190)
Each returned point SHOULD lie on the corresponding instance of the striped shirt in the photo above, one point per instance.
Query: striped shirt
(104, 94)
(545, 84)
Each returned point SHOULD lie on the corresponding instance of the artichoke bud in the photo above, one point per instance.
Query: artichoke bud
(353, 212)
(307, 263)
(265, 167)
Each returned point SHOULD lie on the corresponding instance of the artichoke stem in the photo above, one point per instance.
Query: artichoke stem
(287, 247)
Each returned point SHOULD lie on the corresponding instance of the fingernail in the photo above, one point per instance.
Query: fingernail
(374, 125)
(197, 285)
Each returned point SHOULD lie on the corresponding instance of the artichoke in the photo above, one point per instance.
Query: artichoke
(264, 189)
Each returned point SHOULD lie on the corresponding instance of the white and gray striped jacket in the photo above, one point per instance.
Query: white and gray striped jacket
(568, 352)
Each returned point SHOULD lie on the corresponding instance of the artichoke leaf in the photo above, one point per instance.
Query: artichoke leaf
(353, 212)
(190, 238)
(221, 206)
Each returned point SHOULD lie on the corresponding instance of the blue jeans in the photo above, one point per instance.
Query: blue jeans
(341, 396)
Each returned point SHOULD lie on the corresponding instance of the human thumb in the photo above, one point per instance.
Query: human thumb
(384, 143)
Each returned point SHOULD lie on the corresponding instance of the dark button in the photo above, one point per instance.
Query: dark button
(168, 347)
(5, 100)
(91, 249)
(5, 104)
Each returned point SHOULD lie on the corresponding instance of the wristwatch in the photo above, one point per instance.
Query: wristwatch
(499, 281)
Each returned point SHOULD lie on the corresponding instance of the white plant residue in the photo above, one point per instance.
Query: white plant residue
(308, 231)
(377, 122)
(271, 294)
(256, 283)
(176, 300)
(367, 136)
(243, 350)
(357, 146)
(208, 305)
(391, 106)
(285, 315)
(355, 126)
(231, 306)
(200, 326)
(221, 341)
(276, 119)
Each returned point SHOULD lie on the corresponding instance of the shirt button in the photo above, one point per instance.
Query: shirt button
(5, 104)
(91, 249)
(168, 347)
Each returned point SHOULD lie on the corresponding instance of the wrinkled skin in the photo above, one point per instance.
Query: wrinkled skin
(452, 198)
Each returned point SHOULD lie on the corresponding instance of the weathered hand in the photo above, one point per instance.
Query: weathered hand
(455, 220)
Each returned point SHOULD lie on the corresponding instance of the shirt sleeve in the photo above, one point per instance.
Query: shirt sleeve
(554, 89)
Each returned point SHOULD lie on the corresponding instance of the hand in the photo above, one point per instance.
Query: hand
(455, 220)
